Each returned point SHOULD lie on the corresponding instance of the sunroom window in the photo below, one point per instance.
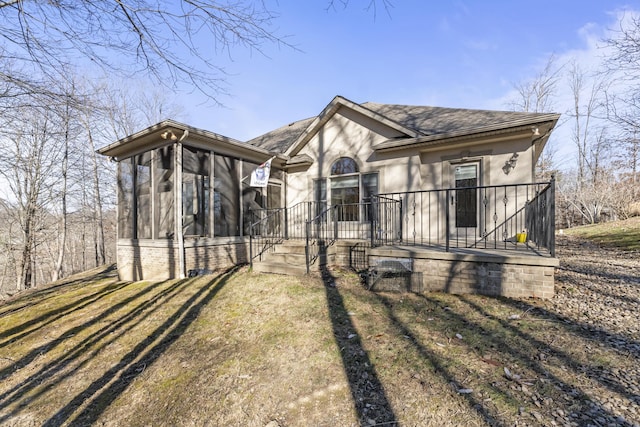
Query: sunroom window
(196, 170)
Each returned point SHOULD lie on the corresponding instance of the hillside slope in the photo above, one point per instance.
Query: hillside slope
(243, 349)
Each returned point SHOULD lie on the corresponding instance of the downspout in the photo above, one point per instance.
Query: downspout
(178, 205)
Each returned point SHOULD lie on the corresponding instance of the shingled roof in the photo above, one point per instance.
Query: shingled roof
(280, 139)
(424, 120)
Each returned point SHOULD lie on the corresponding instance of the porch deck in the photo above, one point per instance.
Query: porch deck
(510, 250)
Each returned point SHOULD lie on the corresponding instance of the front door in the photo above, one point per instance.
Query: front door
(464, 200)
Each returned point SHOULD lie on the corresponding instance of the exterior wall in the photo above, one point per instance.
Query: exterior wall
(492, 155)
(159, 259)
(479, 273)
(408, 169)
(343, 137)
(431, 168)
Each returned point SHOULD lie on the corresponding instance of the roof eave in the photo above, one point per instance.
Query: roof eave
(514, 127)
(169, 131)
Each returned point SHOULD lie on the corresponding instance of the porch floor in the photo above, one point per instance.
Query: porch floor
(519, 254)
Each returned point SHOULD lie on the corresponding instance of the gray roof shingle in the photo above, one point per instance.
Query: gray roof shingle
(423, 119)
(440, 120)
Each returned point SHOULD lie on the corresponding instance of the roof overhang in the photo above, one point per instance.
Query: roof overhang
(538, 128)
(170, 131)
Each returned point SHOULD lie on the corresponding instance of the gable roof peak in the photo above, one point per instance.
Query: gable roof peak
(413, 121)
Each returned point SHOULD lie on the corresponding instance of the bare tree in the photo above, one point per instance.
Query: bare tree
(590, 194)
(29, 155)
(537, 95)
(172, 41)
(623, 64)
(624, 113)
(624, 44)
(587, 132)
(370, 5)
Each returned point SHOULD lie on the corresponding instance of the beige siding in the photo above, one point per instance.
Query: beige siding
(409, 169)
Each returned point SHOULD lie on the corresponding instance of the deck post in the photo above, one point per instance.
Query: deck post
(446, 220)
(371, 221)
(306, 246)
(552, 219)
(286, 223)
(251, 239)
(400, 221)
(335, 221)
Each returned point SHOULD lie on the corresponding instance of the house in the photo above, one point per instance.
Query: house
(443, 193)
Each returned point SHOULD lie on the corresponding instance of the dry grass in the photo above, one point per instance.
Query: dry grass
(624, 234)
(244, 349)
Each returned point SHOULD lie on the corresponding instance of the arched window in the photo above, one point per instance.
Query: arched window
(343, 166)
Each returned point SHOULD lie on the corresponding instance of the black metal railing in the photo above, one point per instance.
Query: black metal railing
(319, 234)
(386, 220)
(540, 218)
(377, 221)
(509, 217)
(266, 230)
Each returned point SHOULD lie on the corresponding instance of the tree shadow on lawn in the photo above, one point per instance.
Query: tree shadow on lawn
(98, 396)
(91, 345)
(367, 392)
(623, 345)
(514, 347)
(27, 298)
(525, 350)
(102, 392)
(570, 280)
(620, 344)
(61, 339)
(438, 362)
(35, 324)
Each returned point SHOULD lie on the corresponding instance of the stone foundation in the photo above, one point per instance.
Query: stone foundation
(461, 271)
(159, 259)
(475, 272)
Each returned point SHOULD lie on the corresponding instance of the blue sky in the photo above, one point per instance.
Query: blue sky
(464, 54)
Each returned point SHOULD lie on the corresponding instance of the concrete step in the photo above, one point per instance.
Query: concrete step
(280, 268)
(285, 258)
(290, 248)
(288, 258)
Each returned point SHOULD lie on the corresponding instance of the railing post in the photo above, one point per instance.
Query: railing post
(552, 214)
(309, 215)
(446, 220)
(371, 221)
(335, 221)
(286, 223)
(306, 246)
(251, 239)
(401, 219)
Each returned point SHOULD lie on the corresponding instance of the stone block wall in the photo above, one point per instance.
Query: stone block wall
(515, 276)
(159, 260)
(486, 278)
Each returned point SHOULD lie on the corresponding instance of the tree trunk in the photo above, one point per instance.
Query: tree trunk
(57, 274)
(98, 214)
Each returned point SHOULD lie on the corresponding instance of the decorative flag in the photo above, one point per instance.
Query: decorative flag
(260, 176)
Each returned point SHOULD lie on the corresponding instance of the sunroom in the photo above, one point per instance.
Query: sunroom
(184, 200)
